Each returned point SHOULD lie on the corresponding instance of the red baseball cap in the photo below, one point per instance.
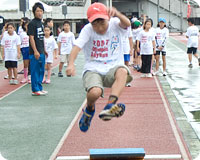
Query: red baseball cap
(97, 10)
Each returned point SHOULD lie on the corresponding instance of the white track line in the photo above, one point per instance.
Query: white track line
(12, 92)
(172, 123)
(53, 156)
(167, 156)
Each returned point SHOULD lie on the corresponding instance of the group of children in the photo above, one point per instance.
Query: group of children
(16, 44)
(148, 44)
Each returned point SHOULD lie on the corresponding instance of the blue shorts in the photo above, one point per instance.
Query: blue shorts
(126, 57)
(25, 53)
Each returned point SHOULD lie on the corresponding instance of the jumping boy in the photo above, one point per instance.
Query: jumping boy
(101, 41)
(36, 50)
(193, 41)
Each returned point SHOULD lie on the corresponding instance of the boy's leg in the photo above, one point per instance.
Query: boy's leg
(34, 66)
(164, 63)
(15, 72)
(9, 73)
(94, 87)
(48, 71)
(117, 79)
(41, 71)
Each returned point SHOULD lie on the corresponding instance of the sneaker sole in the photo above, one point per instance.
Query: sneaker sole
(115, 111)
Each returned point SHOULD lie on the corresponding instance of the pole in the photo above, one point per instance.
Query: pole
(110, 3)
(181, 16)
(158, 10)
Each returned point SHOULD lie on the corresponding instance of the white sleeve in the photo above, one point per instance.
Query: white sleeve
(18, 40)
(3, 41)
(84, 36)
(59, 37)
(130, 34)
(55, 46)
(73, 39)
(139, 36)
(116, 22)
(188, 32)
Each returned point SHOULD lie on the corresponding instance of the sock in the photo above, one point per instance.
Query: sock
(90, 108)
(112, 99)
(26, 73)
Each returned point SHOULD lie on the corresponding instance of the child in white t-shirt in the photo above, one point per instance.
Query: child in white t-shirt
(128, 48)
(51, 48)
(65, 43)
(162, 33)
(101, 41)
(136, 29)
(25, 49)
(11, 52)
(193, 41)
(146, 39)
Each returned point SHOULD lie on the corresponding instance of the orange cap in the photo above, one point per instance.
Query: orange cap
(97, 10)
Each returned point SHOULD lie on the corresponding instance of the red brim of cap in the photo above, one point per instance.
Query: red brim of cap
(97, 16)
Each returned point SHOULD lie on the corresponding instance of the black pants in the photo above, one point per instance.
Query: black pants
(146, 63)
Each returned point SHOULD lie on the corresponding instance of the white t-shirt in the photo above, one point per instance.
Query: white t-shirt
(126, 44)
(50, 46)
(102, 52)
(20, 30)
(146, 45)
(161, 37)
(135, 33)
(10, 44)
(67, 42)
(193, 34)
(24, 39)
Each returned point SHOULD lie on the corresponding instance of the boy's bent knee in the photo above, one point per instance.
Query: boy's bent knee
(96, 91)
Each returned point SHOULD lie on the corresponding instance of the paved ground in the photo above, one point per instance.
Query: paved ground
(32, 127)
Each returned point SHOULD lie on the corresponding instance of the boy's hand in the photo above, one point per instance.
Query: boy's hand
(138, 50)
(37, 55)
(46, 53)
(160, 48)
(154, 51)
(131, 52)
(113, 12)
(3, 57)
(70, 71)
(18, 56)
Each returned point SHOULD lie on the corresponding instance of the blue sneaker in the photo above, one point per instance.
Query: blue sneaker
(112, 110)
(85, 120)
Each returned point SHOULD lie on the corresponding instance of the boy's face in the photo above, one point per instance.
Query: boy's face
(189, 23)
(66, 27)
(148, 25)
(50, 24)
(100, 26)
(38, 13)
(47, 31)
(10, 29)
(161, 24)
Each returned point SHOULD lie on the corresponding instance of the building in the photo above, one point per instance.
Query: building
(175, 11)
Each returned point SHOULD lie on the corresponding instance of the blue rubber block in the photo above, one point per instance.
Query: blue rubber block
(117, 152)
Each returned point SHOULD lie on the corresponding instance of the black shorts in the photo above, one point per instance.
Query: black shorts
(11, 64)
(192, 50)
(163, 53)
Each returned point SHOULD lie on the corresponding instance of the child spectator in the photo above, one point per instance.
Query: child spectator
(25, 49)
(128, 49)
(101, 41)
(65, 42)
(162, 33)
(146, 39)
(50, 48)
(193, 41)
(136, 28)
(11, 52)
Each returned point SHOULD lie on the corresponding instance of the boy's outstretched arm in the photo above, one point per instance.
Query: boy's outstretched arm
(124, 21)
(70, 71)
